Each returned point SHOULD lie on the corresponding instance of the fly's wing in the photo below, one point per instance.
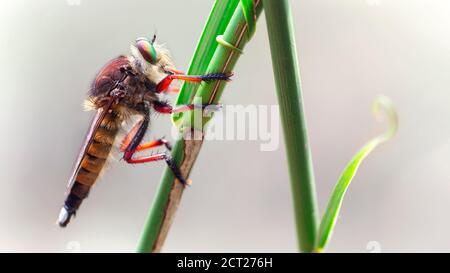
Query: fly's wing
(104, 83)
(96, 121)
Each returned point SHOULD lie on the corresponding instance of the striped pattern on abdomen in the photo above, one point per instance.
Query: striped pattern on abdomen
(92, 163)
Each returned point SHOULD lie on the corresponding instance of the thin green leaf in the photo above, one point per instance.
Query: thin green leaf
(217, 22)
(228, 51)
(248, 7)
(330, 217)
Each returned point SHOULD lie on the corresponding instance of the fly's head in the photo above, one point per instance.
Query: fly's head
(151, 59)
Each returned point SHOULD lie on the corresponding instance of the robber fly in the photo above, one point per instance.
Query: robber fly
(125, 87)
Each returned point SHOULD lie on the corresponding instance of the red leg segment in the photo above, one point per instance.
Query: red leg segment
(157, 157)
(128, 155)
(129, 137)
(144, 159)
(131, 144)
(164, 84)
(174, 71)
(152, 144)
(173, 89)
(168, 109)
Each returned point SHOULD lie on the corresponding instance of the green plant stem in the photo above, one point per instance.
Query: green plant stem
(186, 150)
(216, 24)
(287, 80)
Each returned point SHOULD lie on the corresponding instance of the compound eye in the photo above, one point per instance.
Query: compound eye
(146, 49)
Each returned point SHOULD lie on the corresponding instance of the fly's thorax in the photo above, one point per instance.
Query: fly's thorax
(108, 77)
(138, 89)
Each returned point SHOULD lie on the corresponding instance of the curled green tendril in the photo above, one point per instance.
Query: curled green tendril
(382, 107)
(226, 44)
(249, 11)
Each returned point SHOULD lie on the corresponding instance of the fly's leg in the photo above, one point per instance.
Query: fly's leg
(155, 143)
(174, 71)
(157, 157)
(173, 89)
(141, 147)
(131, 145)
(165, 108)
(165, 83)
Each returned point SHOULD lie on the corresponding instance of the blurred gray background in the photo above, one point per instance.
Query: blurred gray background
(349, 51)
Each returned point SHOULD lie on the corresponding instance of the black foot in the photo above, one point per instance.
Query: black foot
(217, 77)
(175, 170)
(166, 143)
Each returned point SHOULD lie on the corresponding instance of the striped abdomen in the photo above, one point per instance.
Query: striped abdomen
(92, 159)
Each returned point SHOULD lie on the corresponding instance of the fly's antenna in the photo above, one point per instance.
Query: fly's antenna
(154, 38)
